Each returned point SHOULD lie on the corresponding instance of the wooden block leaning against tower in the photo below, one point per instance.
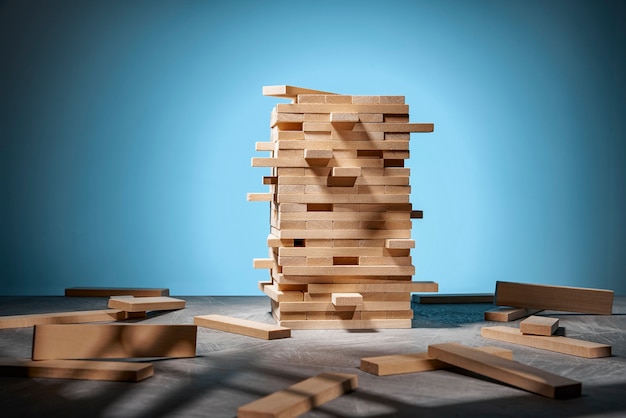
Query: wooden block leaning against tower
(340, 215)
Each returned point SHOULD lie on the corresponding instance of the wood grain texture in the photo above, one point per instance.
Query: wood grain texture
(102, 315)
(539, 325)
(301, 397)
(507, 371)
(564, 345)
(115, 291)
(508, 314)
(346, 324)
(144, 304)
(242, 326)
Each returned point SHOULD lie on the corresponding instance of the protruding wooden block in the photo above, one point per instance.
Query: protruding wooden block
(301, 397)
(115, 291)
(564, 345)
(242, 326)
(85, 341)
(507, 371)
(318, 157)
(260, 197)
(539, 325)
(416, 362)
(76, 369)
(21, 321)
(144, 304)
(508, 314)
(399, 243)
(262, 263)
(289, 92)
(346, 171)
(346, 299)
(557, 298)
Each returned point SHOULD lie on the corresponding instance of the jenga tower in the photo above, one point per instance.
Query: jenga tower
(340, 216)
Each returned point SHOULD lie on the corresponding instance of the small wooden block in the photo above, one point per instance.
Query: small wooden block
(507, 371)
(557, 298)
(115, 291)
(285, 91)
(539, 325)
(507, 314)
(301, 397)
(346, 299)
(399, 243)
(343, 117)
(76, 369)
(86, 341)
(262, 263)
(564, 345)
(242, 327)
(458, 298)
(260, 197)
(416, 362)
(144, 304)
(346, 171)
(20, 321)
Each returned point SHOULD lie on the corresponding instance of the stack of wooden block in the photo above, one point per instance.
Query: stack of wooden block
(340, 213)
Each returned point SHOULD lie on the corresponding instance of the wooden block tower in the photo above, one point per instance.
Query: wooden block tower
(340, 216)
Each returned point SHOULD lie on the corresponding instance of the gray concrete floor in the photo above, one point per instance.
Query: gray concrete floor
(231, 370)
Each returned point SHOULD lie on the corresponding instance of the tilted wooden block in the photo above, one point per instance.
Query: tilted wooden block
(346, 299)
(20, 321)
(507, 371)
(144, 304)
(85, 341)
(508, 314)
(76, 369)
(115, 291)
(289, 91)
(564, 345)
(558, 298)
(301, 397)
(416, 362)
(539, 325)
(242, 326)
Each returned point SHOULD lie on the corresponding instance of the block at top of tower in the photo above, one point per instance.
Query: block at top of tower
(289, 92)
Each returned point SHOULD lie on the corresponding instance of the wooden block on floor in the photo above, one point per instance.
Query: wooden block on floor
(508, 314)
(564, 345)
(416, 362)
(539, 325)
(115, 291)
(144, 304)
(346, 299)
(557, 298)
(86, 341)
(76, 369)
(21, 321)
(454, 298)
(507, 371)
(301, 397)
(242, 327)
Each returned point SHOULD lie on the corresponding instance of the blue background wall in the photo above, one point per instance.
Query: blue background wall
(127, 129)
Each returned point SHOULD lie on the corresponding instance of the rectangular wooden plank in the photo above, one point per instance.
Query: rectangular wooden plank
(334, 145)
(260, 197)
(85, 341)
(563, 345)
(348, 324)
(373, 287)
(274, 293)
(539, 325)
(416, 362)
(397, 109)
(454, 298)
(301, 397)
(507, 371)
(285, 91)
(349, 270)
(21, 321)
(115, 291)
(371, 127)
(508, 314)
(343, 198)
(242, 326)
(346, 299)
(557, 298)
(144, 304)
(329, 307)
(76, 369)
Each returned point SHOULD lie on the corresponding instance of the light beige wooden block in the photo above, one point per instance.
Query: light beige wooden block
(344, 117)
(242, 326)
(346, 299)
(283, 295)
(21, 321)
(371, 127)
(349, 270)
(342, 198)
(399, 243)
(539, 325)
(76, 369)
(301, 397)
(290, 92)
(346, 171)
(84, 341)
(262, 263)
(265, 146)
(144, 304)
(330, 307)
(260, 197)
(507, 371)
(374, 287)
(557, 298)
(115, 291)
(348, 324)
(339, 145)
(341, 107)
(508, 314)
(326, 154)
(564, 345)
(416, 362)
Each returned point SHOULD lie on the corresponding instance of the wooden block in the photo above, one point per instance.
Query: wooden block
(564, 345)
(144, 304)
(342, 198)
(348, 324)
(507, 371)
(454, 298)
(349, 270)
(115, 291)
(21, 321)
(346, 171)
(557, 298)
(341, 145)
(346, 299)
(508, 314)
(374, 287)
(341, 107)
(344, 117)
(399, 243)
(289, 92)
(301, 397)
(262, 263)
(242, 327)
(81, 341)
(274, 293)
(260, 197)
(371, 127)
(539, 325)
(416, 362)
(330, 307)
(76, 369)
(417, 214)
